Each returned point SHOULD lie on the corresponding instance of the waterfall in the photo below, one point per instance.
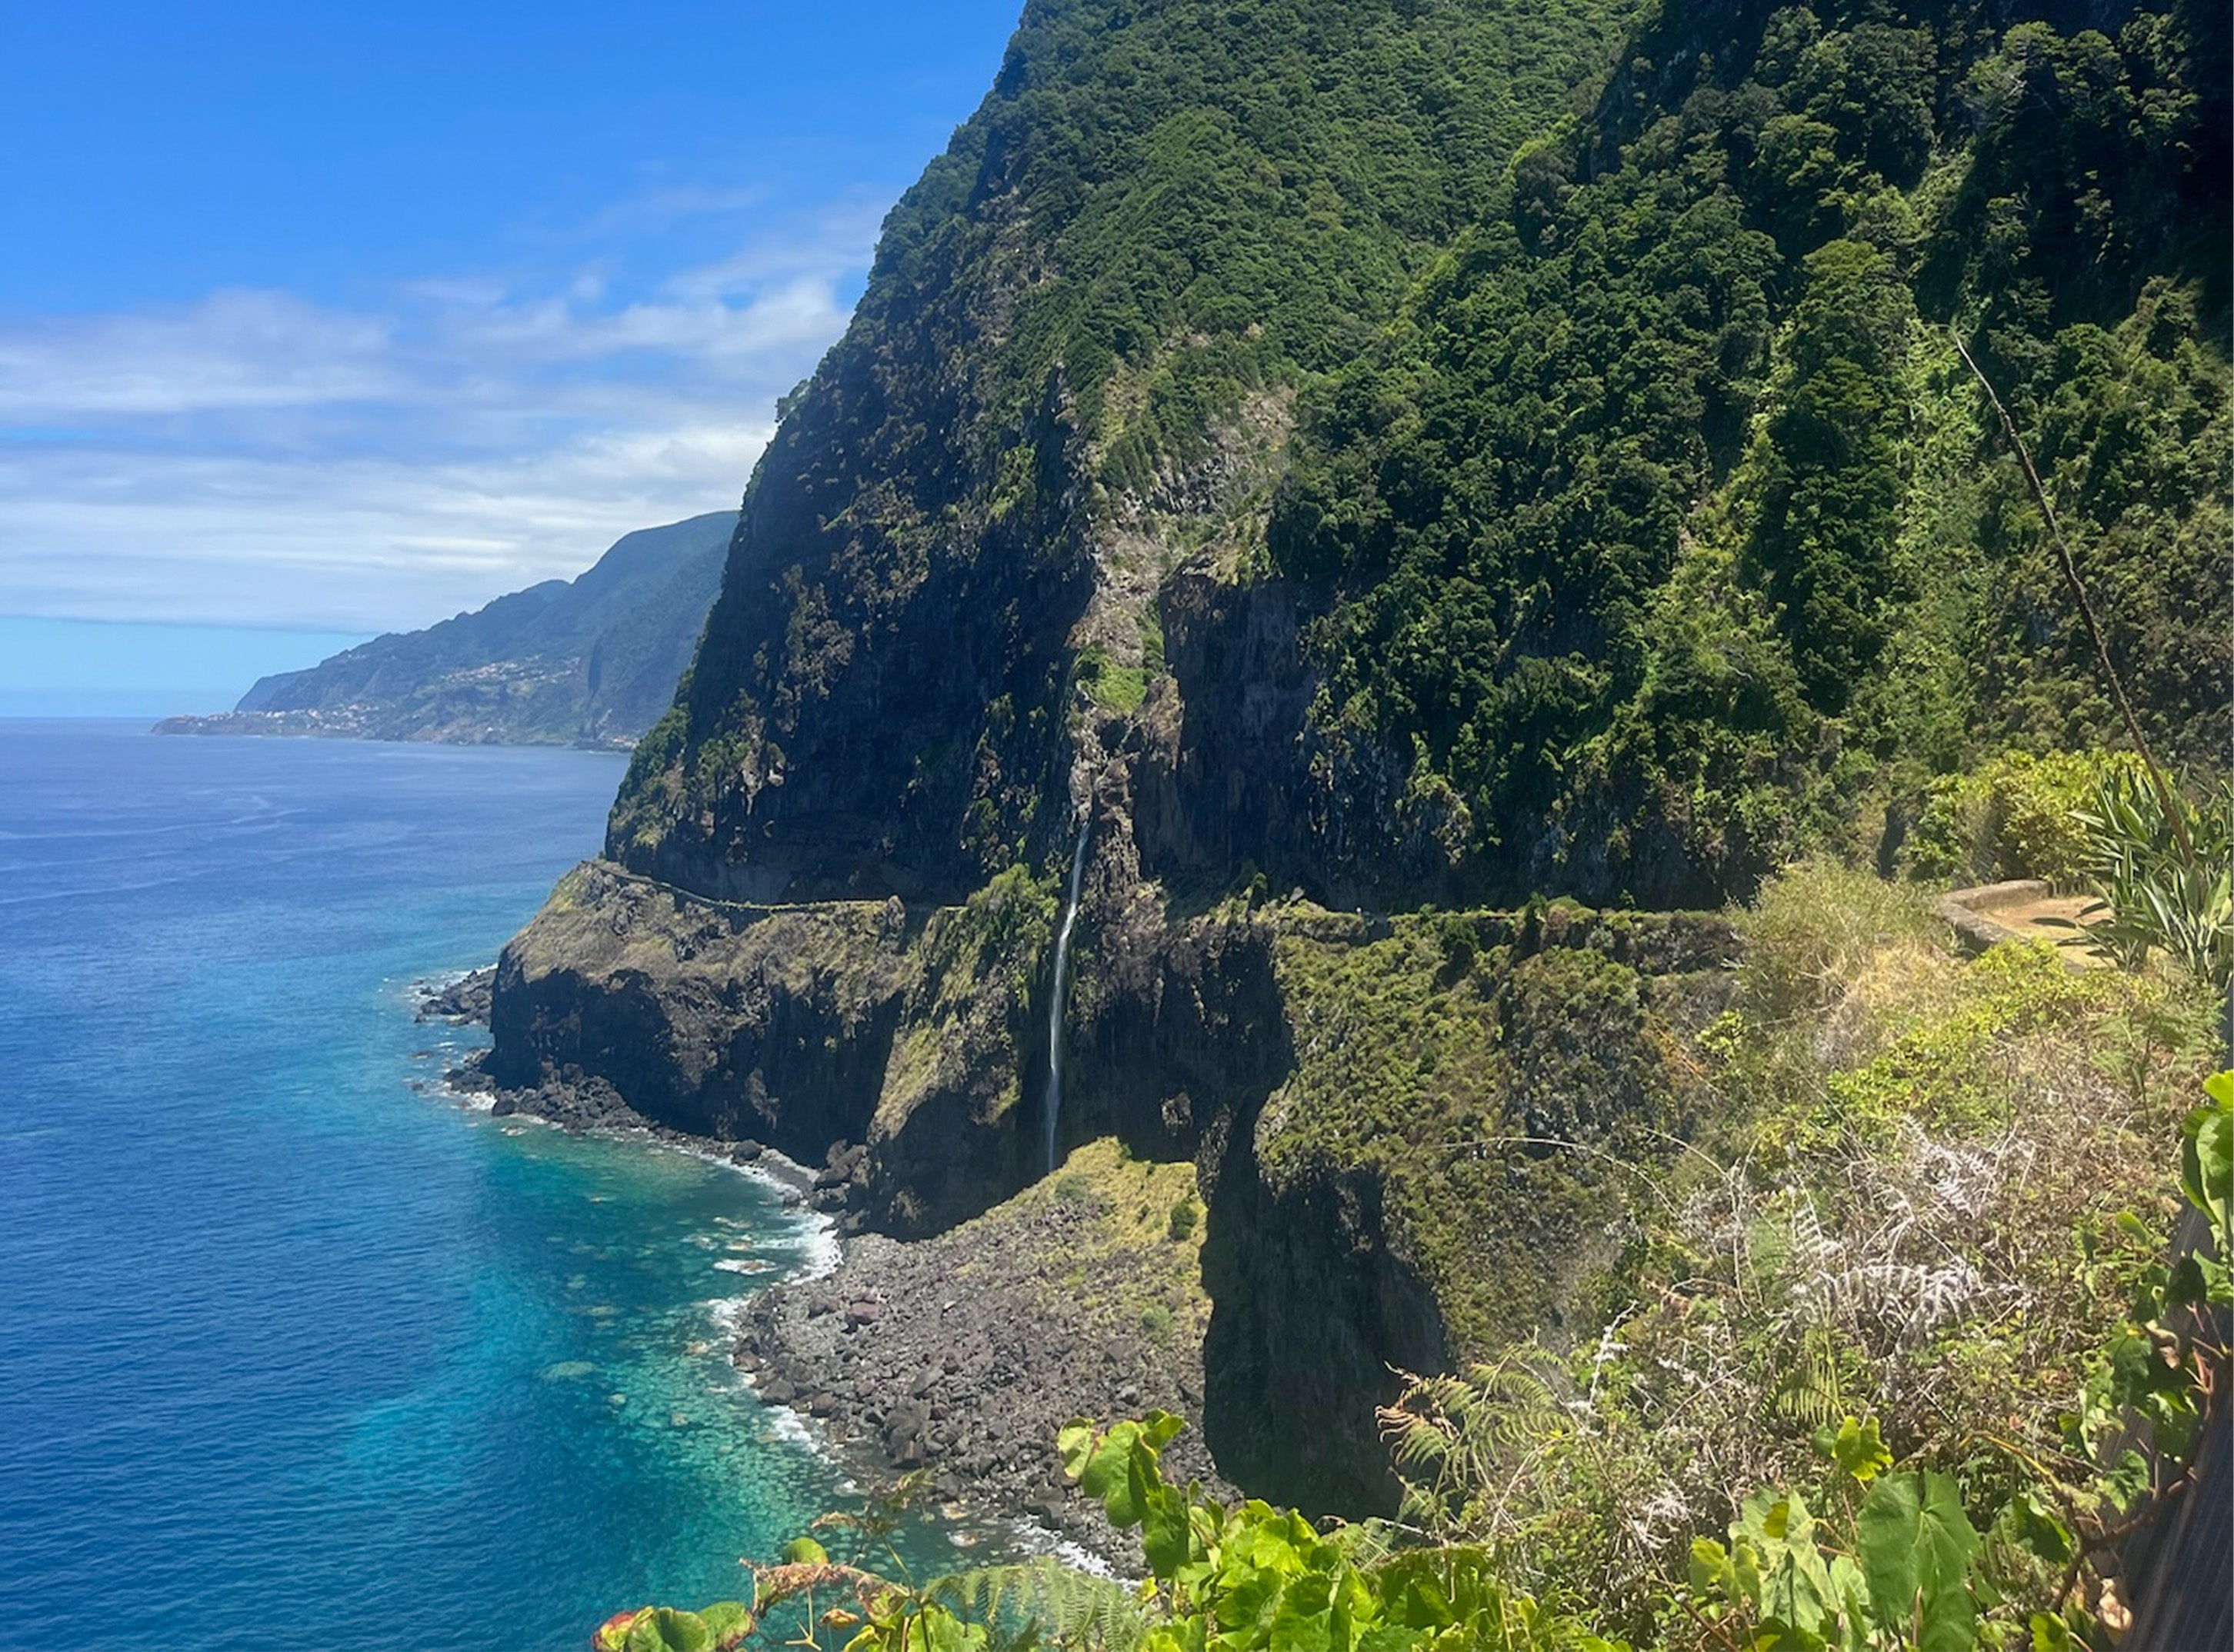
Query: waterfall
(1062, 979)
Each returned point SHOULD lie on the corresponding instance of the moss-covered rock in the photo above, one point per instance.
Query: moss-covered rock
(1470, 1099)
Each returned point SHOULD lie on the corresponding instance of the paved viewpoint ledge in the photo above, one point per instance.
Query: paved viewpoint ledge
(1992, 913)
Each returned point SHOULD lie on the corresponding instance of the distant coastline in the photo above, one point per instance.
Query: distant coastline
(352, 722)
(589, 662)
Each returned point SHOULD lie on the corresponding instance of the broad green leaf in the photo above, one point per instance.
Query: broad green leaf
(1746, 1563)
(1712, 1574)
(1772, 1518)
(2031, 1526)
(804, 1551)
(1121, 1474)
(1795, 1583)
(2126, 1481)
(1074, 1442)
(663, 1628)
(1776, 1533)
(1915, 1545)
(1860, 1450)
(1301, 1626)
(1850, 1590)
(1784, 1638)
(1162, 1427)
(1119, 1467)
(939, 1630)
(2207, 1156)
(1414, 1591)
(612, 1635)
(728, 1621)
(1167, 1531)
(1251, 1598)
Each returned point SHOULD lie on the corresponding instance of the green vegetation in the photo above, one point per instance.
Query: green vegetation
(1159, 215)
(1534, 1522)
(1500, 1094)
(1669, 496)
(1112, 687)
(1861, 1366)
(2159, 866)
(1935, 1183)
(1222, 196)
(717, 1628)
(1129, 1269)
(1651, 517)
(1650, 527)
(2013, 816)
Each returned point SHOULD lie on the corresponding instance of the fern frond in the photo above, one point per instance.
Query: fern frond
(1064, 1606)
(1450, 1437)
(1810, 1392)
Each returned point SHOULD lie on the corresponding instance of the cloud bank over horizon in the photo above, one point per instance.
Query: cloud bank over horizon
(257, 457)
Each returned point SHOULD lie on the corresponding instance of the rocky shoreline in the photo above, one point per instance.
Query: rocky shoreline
(963, 1355)
(959, 1357)
(462, 1002)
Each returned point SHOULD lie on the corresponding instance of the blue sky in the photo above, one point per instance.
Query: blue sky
(326, 319)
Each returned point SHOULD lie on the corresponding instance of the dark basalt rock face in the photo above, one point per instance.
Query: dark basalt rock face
(465, 1001)
(892, 691)
(1317, 1307)
(1237, 773)
(794, 1028)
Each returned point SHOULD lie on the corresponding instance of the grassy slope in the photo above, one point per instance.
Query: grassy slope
(1935, 1183)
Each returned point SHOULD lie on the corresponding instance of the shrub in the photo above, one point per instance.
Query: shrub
(2161, 878)
(2016, 816)
(1811, 928)
(1184, 1216)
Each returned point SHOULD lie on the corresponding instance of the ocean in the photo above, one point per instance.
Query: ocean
(295, 1348)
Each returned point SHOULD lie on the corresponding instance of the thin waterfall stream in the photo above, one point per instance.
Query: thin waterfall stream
(1061, 980)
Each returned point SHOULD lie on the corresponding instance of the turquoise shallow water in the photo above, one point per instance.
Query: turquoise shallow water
(282, 1341)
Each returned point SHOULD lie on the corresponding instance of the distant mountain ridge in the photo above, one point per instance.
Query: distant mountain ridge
(591, 661)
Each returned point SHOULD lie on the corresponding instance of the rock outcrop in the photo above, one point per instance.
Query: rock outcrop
(1373, 1108)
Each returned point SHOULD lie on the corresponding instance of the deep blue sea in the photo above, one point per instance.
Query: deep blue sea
(288, 1347)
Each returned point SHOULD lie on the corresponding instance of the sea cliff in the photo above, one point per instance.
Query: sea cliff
(1448, 496)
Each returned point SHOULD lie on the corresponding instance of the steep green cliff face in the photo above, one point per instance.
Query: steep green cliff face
(1161, 215)
(1365, 458)
(1668, 521)
(1642, 512)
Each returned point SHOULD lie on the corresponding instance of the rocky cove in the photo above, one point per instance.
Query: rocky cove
(1252, 1225)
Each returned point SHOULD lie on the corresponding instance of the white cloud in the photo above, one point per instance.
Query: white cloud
(258, 458)
(361, 542)
(657, 208)
(234, 349)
